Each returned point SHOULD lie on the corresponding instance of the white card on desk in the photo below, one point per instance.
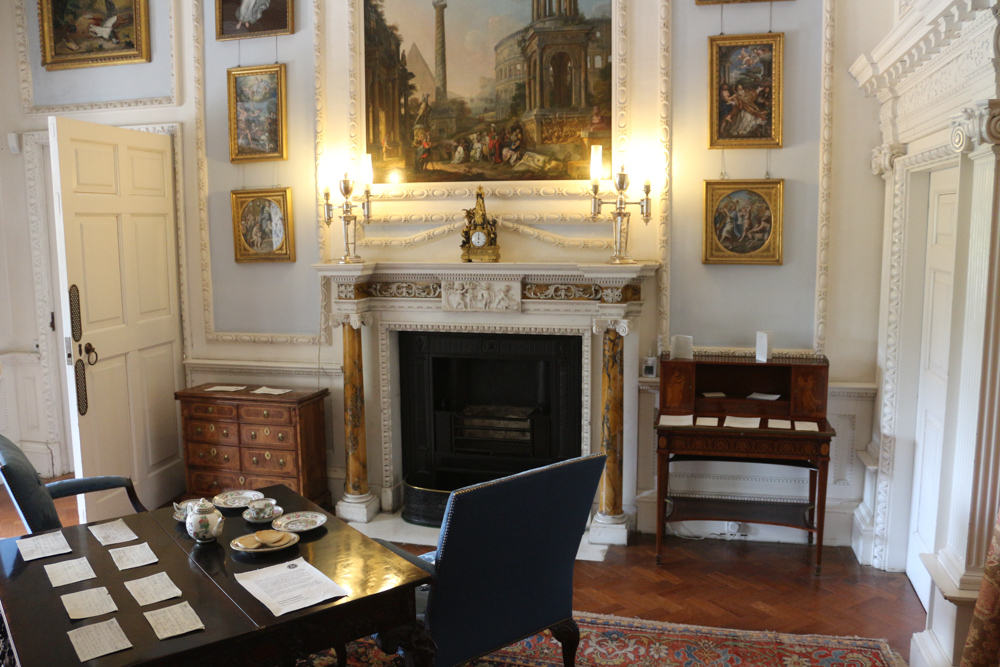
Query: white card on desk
(779, 423)
(154, 588)
(88, 603)
(764, 397)
(806, 426)
(93, 641)
(269, 390)
(178, 619)
(742, 422)
(714, 394)
(706, 421)
(113, 532)
(676, 420)
(128, 557)
(42, 546)
(224, 387)
(69, 572)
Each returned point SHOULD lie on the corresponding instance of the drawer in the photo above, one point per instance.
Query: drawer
(265, 413)
(258, 482)
(259, 460)
(257, 435)
(207, 483)
(209, 411)
(213, 456)
(217, 433)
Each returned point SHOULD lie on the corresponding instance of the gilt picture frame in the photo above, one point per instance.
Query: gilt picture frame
(262, 225)
(93, 33)
(743, 221)
(746, 90)
(258, 127)
(240, 19)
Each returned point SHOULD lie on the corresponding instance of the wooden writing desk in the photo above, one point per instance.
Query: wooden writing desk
(801, 386)
(239, 630)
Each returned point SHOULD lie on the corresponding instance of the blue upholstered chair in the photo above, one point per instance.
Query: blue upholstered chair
(503, 569)
(33, 498)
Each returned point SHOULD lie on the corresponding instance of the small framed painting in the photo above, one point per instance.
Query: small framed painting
(743, 221)
(257, 125)
(93, 34)
(262, 225)
(242, 19)
(745, 90)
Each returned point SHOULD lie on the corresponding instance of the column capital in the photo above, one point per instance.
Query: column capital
(620, 325)
(975, 126)
(356, 320)
(884, 157)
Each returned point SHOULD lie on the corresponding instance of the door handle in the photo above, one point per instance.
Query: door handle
(90, 351)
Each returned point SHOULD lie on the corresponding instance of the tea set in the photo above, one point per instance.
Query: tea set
(204, 522)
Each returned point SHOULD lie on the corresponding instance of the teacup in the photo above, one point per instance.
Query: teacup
(182, 509)
(261, 509)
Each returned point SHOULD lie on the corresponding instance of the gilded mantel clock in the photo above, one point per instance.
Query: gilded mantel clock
(479, 238)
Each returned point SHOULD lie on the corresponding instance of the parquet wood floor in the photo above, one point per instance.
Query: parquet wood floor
(718, 583)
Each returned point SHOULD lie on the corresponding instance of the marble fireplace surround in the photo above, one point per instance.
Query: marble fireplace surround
(380, 299)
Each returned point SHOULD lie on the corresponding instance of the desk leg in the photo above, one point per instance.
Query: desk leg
(812, 498)
(820, 510)
(418, 647)
(662, 473)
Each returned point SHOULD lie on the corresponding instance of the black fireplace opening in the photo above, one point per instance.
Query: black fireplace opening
(475, 407)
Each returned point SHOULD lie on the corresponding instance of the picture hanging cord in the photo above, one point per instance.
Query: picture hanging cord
(239, 53)
(276, 181)
(767, 169)
(770, 17)
(723, 175)
(722, 19)
(243, 177)
(276, 48)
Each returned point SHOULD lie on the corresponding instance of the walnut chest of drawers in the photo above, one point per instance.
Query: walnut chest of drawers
(242, 440)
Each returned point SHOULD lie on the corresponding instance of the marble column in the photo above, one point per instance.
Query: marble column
(610, 525)
(440, 59)
(358, 503)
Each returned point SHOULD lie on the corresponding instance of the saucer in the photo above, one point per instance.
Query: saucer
(277, 513)
(298, 522)
(263, 550)
(182, 516)
(237, 498)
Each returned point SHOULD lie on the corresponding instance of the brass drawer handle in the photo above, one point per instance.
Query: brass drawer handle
(210, 410)
(213, 451)
(254, 460)
(211, 427)
(267, 431)
(253, 435)
(266, 414)
(267, 455)
(225, 433)
(198, 431)
(281, 437)
(214, 484)
(243, 480)
(201, 455)
(281, 463)
(225, 457)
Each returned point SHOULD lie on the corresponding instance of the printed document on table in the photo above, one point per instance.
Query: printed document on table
(43, 546)
(225, 387)
(676, 420)
(706, 421)
(179, 619)
(742, 422)
(806, 426)
(128, 557)
(91, 602)
(93, 641)
(289, 586)
(69, 572)
(152, 589)
(113, 532)
(779, 423)
(268, 390)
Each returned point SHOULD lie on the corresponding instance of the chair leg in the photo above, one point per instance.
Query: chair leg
(568, 634)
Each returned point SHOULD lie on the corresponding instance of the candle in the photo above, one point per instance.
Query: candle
(596, 164)
(367, 173)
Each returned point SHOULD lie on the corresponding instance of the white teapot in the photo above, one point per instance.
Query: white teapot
(204, 522)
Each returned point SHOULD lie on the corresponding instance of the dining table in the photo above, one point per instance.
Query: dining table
(239, 629)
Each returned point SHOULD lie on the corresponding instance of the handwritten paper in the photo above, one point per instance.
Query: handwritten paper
(268, 390)
(779, 423)
(128, 557)
(676, 420)
(742, 422)
(179, 619)
(289, 586)
(43, 546)
(706, 421)
(225, 387)
(113, 532)
(93, 641)
(764, 397)
(152, 589)
(806, 426)
(88, 603)
(69, 572)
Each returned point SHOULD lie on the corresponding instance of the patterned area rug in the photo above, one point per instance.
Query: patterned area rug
(609, 641)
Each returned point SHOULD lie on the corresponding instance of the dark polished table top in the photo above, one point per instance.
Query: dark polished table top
(239, 630)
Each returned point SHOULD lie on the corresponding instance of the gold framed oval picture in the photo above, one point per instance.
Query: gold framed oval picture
(743, 221)
(262, 225)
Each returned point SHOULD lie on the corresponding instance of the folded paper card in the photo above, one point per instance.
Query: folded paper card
(742, 422)
(676, 420)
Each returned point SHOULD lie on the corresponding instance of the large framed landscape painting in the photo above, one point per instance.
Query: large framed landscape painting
(487, 91)
(258, 127)
(745, 90)
(743, 221)
(93, 33)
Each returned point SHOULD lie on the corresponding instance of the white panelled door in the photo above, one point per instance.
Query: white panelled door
(116, 244)
(939, 270)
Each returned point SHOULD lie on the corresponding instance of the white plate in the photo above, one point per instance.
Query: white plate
(263, 550)
(179, 516)
(277, 513)
(238, 498)
(299, 522)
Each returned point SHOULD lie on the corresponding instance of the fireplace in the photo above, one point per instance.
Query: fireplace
(478, 406)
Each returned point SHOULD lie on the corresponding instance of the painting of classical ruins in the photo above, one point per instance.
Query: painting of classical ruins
(465, 90)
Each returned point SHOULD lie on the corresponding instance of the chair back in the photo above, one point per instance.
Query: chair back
(505, 557)
(31, 499)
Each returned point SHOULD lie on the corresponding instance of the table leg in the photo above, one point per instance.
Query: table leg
(812, 499)
(341, 650)
(662, 471)
(418, 647)
(820, 510)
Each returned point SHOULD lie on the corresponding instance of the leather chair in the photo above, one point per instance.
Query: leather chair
(33, 498)
(503, 569)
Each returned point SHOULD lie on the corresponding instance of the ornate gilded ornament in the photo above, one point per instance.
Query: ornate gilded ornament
(479, 237)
